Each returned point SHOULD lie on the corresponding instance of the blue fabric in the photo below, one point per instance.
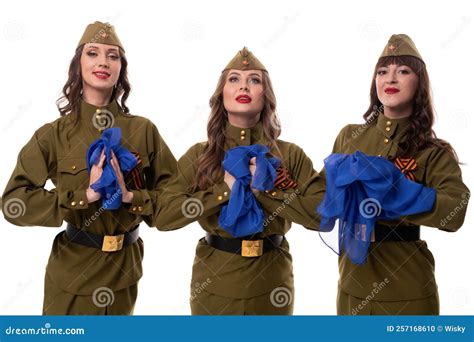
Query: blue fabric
(242, 215)
(362, 189)
(107, 185)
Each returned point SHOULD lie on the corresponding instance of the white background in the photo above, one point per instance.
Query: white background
(320, 56)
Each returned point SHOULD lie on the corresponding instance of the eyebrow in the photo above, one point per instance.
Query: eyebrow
(108, 50)
(238, 74)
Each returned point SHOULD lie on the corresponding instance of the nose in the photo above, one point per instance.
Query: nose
(103, 63)
(244, 87)
(392, 77)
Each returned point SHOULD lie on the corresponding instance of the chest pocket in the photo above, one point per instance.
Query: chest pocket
(72, 173)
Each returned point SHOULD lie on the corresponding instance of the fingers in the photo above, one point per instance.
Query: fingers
(101, 160)
(253, 161)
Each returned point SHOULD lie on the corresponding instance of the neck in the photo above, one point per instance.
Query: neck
(398, 112)
(243, 121)
(96, 97)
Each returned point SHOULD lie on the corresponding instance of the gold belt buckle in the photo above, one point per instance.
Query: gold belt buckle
(112, 243)
(252, 248)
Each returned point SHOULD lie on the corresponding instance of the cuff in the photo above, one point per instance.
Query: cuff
(221, 192)
(73, 199)
(141, 203)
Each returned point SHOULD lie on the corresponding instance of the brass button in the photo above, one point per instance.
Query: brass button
(387, 129)
(379, 155)
(73, 203)
(134, 209)
(274, 193)
(98, 111)
(389, 123)
(267, 191)
(225, 193)
(242, 132)
(220, 198)
(73, 167)
(140, 208)
(242, 137)
(385, 141)
(81, 203)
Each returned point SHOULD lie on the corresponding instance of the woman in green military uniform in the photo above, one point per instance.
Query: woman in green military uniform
(250, 275)
(95, 265)
(398, 276)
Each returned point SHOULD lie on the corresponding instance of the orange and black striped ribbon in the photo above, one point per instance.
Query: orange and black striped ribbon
(134, 176)
(284, 180)
(407, 166)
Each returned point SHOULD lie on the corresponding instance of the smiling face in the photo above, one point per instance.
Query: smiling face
(396, 87)
(100, 66)
(243, 93)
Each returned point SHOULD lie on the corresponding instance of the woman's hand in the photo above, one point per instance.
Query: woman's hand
(127, 196)
(253, 168)
(96, 172)
(229, 179)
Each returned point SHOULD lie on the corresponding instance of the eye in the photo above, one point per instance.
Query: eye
(92, 53)
(233, 79)
(404, 71)
(255, 80)
(113, 56)
(381, 72)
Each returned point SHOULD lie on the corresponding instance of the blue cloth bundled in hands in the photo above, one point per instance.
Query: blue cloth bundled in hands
(362, 189)
(107, 185)
(242, 215)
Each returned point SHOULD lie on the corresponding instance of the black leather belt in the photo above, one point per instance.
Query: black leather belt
(251, 247)
(107, 243)
(402, 233)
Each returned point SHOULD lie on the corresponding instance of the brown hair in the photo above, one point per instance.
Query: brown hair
(420, 134)
(209, 169)
(68, 103)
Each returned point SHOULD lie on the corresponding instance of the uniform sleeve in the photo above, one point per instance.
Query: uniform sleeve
(25, 201)
(178, 206)
(452, 195)
(297, 205)
(157, 176)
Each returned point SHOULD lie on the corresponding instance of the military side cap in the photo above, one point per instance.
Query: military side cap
(245, 60)
(400, 45)
(101, 33)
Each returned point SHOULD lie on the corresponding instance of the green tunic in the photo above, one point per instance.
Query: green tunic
(54, 152)
(402, 271)
(231, 275)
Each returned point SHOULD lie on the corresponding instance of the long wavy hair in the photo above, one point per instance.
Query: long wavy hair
(209, 169)
(420, 135)
(69, 102)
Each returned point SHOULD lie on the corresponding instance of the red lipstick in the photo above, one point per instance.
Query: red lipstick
(391, 90)
(243, 99)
